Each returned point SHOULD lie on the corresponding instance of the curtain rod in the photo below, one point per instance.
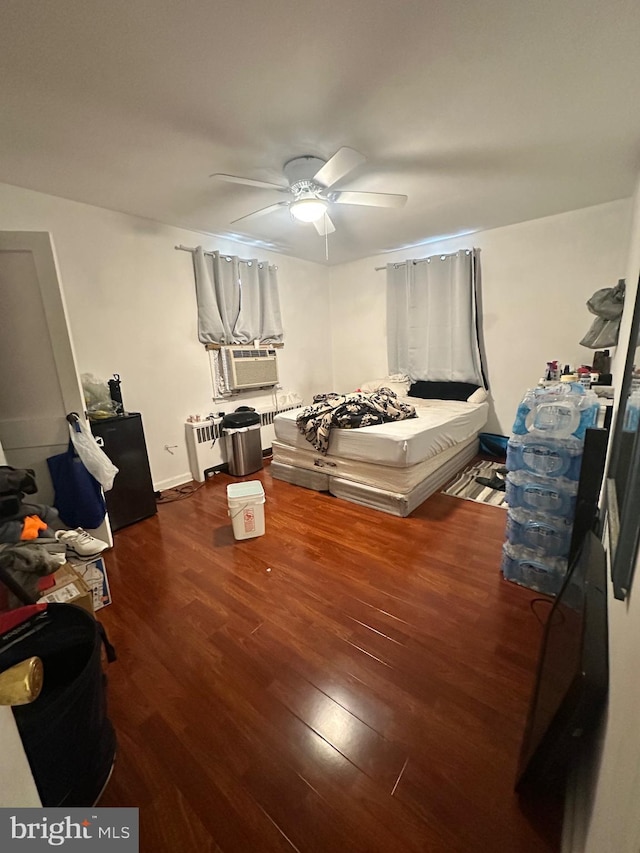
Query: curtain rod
(422, 260)
(192, 250)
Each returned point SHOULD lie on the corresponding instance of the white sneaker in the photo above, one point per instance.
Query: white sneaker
(81, 543)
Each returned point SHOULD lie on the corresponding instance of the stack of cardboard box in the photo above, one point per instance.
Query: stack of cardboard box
(81, 583)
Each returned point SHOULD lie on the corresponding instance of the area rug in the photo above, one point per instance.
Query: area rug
(464, 484)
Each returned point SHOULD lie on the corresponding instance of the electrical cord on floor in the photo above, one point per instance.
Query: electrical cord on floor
(535, 601)
(177, 493)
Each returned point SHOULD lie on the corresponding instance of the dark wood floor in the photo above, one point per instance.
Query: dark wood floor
(349, 681)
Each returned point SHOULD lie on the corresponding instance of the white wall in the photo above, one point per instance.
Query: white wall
(607, 811)
(132, 310)
(536, 278)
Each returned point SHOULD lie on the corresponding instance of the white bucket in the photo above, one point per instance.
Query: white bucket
(246, 508)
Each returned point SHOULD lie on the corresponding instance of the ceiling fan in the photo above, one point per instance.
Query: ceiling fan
(310, 187)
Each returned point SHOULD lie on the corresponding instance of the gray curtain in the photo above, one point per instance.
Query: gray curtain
(432, 318)
(237, 300)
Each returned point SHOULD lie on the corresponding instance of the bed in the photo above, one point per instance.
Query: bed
(392, 467)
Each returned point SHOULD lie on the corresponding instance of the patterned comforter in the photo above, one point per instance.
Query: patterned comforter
(349, 411)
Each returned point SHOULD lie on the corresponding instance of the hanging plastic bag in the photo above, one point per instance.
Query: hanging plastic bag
(607, 305)
(97, 397)
(603, 333)
(93, 457)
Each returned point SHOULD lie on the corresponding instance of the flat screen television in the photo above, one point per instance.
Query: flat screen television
(573, 674)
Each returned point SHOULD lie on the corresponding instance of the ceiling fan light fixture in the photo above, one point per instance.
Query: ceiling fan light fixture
(308, 209)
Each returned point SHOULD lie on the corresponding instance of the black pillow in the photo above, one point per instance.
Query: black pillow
(442, 390)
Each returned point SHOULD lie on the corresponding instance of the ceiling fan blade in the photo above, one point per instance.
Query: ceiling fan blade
(324, 226)
(342, 162)
(261, 212)
(249, 182)
(370, 199)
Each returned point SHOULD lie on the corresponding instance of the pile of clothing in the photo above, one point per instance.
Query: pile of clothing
(349, 411)
(34, 540)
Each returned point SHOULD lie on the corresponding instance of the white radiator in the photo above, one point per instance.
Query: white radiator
(206, 446)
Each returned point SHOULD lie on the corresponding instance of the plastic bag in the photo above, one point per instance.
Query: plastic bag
(603, 333)
(93, 457)
(97, 397)
(288, 400)
(607, 305)
(493, 444)
(608, 302)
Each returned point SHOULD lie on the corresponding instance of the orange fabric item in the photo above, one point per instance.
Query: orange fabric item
(31, 527)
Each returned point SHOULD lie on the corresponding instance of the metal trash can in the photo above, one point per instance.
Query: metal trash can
(244, 446)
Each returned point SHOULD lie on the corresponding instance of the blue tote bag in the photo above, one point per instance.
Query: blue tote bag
(78, 496)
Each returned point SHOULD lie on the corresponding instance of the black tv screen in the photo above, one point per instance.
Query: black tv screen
(573, 674)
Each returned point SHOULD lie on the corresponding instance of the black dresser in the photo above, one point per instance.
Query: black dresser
(132, 497)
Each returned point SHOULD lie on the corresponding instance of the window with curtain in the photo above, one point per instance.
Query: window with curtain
(432, 331)
(237, 299)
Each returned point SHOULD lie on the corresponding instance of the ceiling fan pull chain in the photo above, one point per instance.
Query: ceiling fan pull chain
(326, 240)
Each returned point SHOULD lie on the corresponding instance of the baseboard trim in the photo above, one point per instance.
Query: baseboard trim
(180, 480)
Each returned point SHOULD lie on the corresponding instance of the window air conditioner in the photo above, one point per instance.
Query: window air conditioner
(245, 367)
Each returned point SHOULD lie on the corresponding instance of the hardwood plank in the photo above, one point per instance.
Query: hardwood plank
(368, 693)
(491, 821)
(172, 824)
(360, 744)
(231, 816)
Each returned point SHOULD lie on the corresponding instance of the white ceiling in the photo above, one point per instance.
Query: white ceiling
(484, 113)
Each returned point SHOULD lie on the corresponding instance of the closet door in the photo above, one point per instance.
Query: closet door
(39, 381)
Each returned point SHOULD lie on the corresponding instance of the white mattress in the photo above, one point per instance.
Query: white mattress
(316, 480)
(385, 500)
(387, 477)
(440, 424)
